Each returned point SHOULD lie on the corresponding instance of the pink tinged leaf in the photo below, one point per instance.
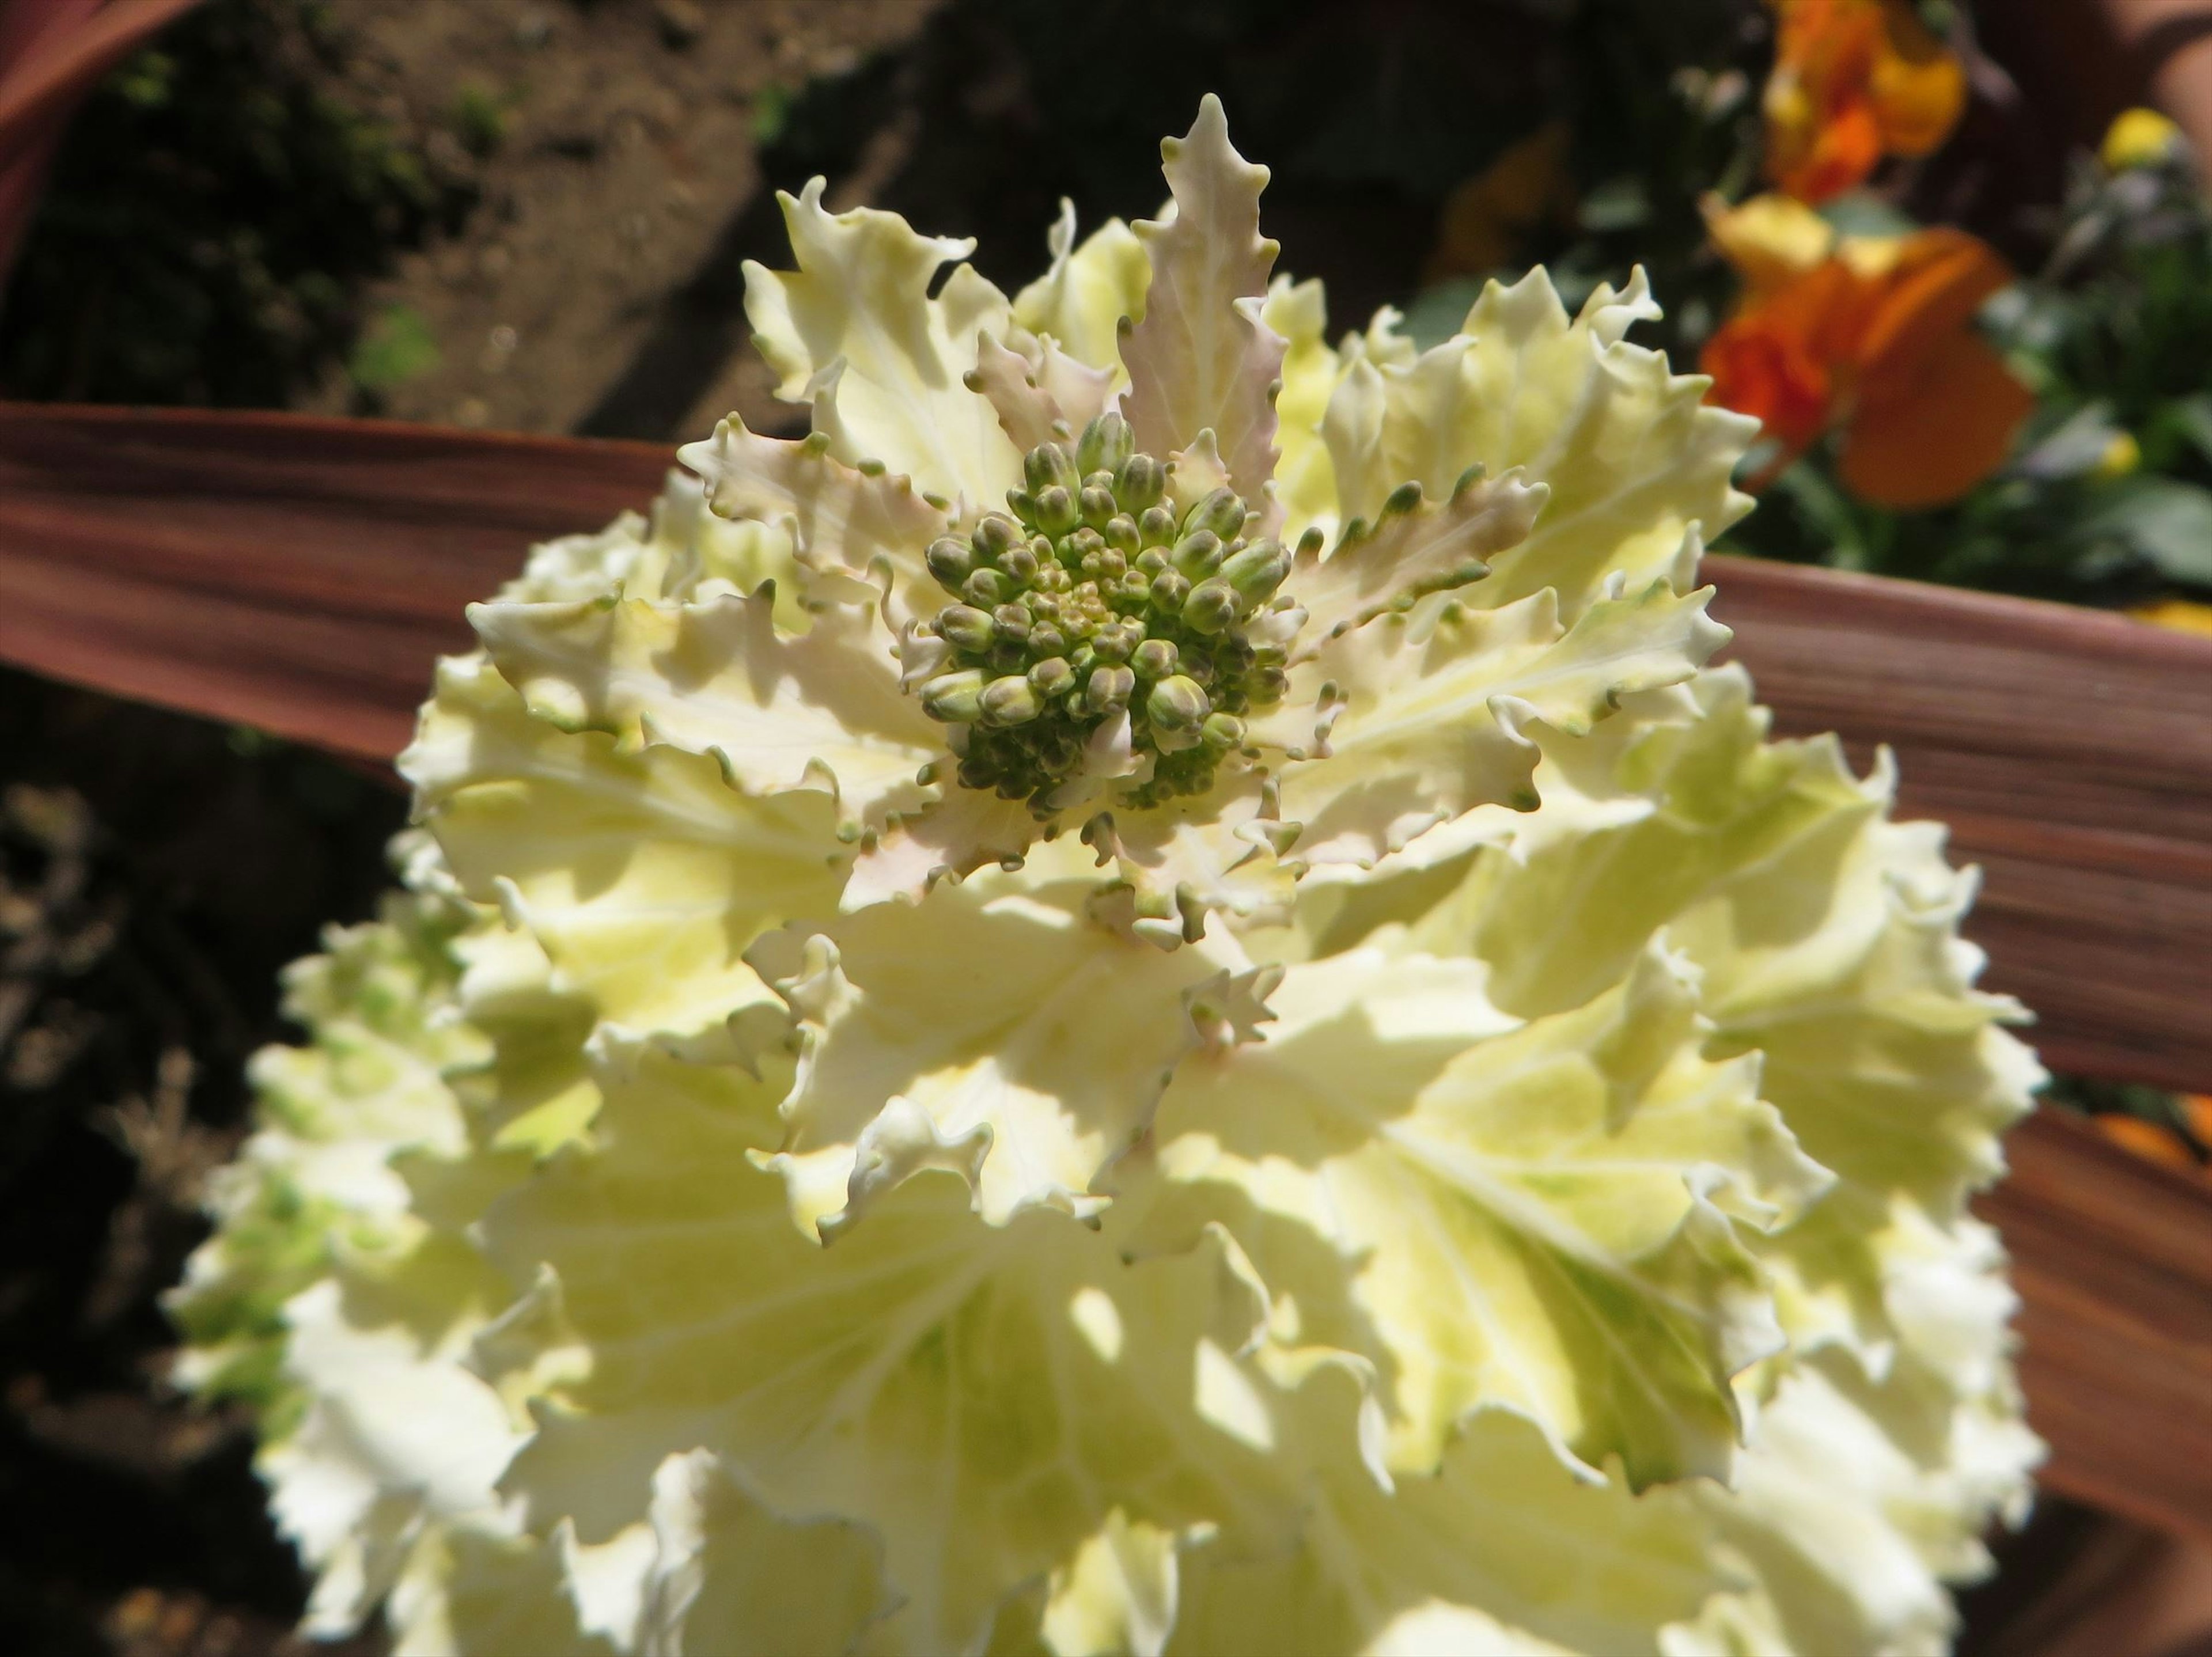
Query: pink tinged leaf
(1081, 391)
(957, 835)
(1414, 548)
(1197, 472)
(1038, 392)
(859, 533)
(1027, 413)
(1201, 359)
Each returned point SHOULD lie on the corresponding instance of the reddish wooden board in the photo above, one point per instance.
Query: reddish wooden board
(300, 574)
(2112, 1253)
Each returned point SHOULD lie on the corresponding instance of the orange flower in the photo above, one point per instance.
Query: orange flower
(1853, 81)
(2160, 1145)
(1872, 337)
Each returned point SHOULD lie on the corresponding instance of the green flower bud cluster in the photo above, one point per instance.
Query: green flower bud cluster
(1102, 595)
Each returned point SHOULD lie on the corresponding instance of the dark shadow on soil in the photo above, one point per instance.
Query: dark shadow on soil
(156, 873)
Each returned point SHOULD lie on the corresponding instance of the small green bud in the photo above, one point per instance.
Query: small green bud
(1049, 466)
(1011, 621)
(995, 536)
(1270, 686)
(1154, 659)
(1046, 640)
(954, 698)
(1055, 511)
(1111, 644)
(1053, 677)
(1121, 533)
(1257, 571)
(1170, 588)
(1096, 504)
(1223, 732)
(1020, 564)
(1105, 444)
(985, 588)
(1110, 688)
(1151, 561)
(1198, 554)
(1177, 704)
(1156, 526)
(1211, 607)
(950, 560)
(1220, 511)
(962, 625)
(1140, 482)
(1010, 700)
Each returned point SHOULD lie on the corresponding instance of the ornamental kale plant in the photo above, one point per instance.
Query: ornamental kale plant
(1143, 996)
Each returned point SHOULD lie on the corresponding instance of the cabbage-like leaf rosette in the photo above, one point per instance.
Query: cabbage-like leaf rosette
(1142, 998)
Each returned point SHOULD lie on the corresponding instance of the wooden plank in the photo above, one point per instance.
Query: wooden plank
(300, 574)
(2112, 1253)
(296, 574)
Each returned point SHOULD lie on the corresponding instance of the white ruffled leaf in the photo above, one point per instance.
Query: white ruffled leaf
(857, 314)
(1419, 730)
(1632, 455)
(776, 711)
(1544, 1215)
(1305, 477)
(644, 876)
(1502, 1551)
(733, 1578)
(1414, 547)
(1827, 937)
(983, 1398)
(1022, 1046)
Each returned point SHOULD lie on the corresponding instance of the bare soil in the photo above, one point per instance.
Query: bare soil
(622, 141)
